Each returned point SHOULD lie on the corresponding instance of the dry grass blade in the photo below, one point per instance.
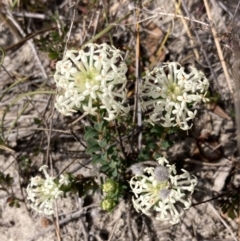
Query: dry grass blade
(28, 37)
(107, 29)
(14, 101)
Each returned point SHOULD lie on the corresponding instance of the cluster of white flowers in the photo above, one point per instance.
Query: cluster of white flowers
(172, 91)
(43, 192)
(161, 189)
(91, 79)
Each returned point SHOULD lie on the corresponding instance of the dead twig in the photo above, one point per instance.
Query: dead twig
(218, 46)
(202, 49)
(222, 221)
(70, 29)
(186, 26)
(83, 226)
(21, 32)
(137, 105)
(130, 232)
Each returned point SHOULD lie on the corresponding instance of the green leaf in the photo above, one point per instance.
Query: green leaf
(92, 141)
(103, 143)
(173, 129)
(231, 214)
(53, 55)
(157, 129)
(93, 148)
(105, 168)
(97, 159)
(112, 164)
(11, 204)
(104, 156)
(165, 144)
(115, 173)
(144, 155)
(55, 36)
(151, 146)
(90, 133)
(111, 150)
(37, 121)
(99, 126)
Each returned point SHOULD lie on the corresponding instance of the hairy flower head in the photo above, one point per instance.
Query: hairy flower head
(42, 192)
(160, 189)
(91, 79)
(171, 92)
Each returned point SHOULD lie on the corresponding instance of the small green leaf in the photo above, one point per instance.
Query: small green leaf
(55, 36)
(92, 141)
(18, 205)
(93, 148)
(99, 126)
(103, 143)
(112, 164)
(104, 156)
(53, 55)
(115, 173)
(90, 132)
(105, 168)
(11, 204)
(157, 129)
(165, 144)
(97, 159)
(231, 214)
(151, 146)
(37, 121)
(144, 155)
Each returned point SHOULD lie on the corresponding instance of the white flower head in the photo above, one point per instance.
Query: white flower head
(91, 79)
(42, 192)
(172, 92)
(160, 189)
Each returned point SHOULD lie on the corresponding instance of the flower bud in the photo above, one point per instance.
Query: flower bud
(108, 204)
(110, 186)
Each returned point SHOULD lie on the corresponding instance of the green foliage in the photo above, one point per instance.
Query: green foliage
(13, 202)
(230, 205)
(152, 147)
(214, 98)
(38, 121)
(99, 145)
(53, 43)
(104, 150)
(101, 139)
(25, 164)
(6, 181)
